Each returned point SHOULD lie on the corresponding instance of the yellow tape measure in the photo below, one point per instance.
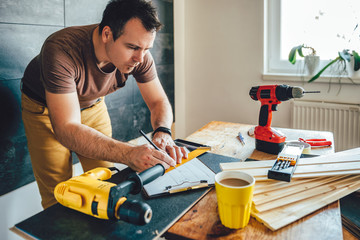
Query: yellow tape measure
(191, 155)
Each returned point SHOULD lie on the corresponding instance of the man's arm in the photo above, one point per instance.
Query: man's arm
(65, 117)
(161, 116)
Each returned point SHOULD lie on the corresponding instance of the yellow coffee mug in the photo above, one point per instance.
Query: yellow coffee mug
(234, 192)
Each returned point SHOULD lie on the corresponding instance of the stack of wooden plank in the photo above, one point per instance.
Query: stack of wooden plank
(316, 183)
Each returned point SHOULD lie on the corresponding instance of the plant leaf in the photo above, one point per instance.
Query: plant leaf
(323, 69)
(356, 60)
(300, 51)
(292, 54)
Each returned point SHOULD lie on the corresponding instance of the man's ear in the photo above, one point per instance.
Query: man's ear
(106, 34)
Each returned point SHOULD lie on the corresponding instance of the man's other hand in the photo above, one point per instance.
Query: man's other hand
(166, 143)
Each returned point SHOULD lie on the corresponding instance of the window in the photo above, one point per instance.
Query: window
(328, 26)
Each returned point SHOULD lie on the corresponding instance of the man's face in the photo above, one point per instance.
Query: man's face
(129, 49)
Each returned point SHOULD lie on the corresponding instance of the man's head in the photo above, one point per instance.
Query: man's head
(118, 12)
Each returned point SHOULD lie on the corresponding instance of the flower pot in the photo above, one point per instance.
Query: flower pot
(350, 69)
(312, 64)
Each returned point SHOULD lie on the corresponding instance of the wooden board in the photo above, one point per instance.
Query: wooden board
(311, 171)
(273, 193)
(342, 163)
(287, 214)
(352, 155)
(298, 194)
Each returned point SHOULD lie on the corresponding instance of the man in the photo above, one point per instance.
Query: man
(63, 108)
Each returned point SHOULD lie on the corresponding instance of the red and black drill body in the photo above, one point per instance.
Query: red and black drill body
(268, 139)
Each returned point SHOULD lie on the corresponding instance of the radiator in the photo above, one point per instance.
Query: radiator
(341, 119)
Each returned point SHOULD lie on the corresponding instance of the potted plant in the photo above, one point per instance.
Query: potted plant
(343, 59)
(311, 60)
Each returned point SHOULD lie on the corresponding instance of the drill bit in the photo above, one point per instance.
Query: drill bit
(311, 92)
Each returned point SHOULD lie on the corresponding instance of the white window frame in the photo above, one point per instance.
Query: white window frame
(274, 67)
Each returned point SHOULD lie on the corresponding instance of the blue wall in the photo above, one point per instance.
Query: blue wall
(24, 25)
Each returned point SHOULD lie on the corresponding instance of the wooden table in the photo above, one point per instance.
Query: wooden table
(202, 221)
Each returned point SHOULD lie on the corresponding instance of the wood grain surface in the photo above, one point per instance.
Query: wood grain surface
(202, 221)
(324, 168)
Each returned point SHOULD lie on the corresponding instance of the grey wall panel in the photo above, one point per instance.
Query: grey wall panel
(120, 107)
(20, 44)
(10, 122)
(128, 112)
(166, 15)
(141, 118)
(163, 49)
(121, 97)
(75, 14)
(166, 76)
(49, 12)
(122, 122)
(15, 166)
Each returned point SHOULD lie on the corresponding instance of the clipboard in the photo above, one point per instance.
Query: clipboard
(190, 174)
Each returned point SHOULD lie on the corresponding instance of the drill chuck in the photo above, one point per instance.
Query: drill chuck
(297, 92)
(285, 92)
(135, 212)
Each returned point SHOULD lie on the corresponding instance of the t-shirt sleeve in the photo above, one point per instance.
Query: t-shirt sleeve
(146, 71)
(57, 69)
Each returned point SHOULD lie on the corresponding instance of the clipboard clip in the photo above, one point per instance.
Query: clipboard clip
(198, 184)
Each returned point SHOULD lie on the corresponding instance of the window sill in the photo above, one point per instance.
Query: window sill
(305, 78)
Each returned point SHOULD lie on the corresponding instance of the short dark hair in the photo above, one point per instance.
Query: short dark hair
(118, 12)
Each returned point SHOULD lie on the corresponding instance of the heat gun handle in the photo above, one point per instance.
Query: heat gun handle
(152, 173)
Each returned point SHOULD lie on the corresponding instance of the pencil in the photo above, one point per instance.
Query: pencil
(148, 139)
(151, 142)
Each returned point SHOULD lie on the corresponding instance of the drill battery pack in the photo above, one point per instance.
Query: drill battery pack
(286, 162)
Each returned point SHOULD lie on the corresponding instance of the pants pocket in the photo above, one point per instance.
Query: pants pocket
(31, 106)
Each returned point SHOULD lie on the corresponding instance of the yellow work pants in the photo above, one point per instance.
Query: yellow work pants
(51, 161)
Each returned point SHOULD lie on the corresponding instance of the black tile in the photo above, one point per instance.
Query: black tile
(50, 12)
(166, 15)
(84, 12)
(15, 165)
(20, 44)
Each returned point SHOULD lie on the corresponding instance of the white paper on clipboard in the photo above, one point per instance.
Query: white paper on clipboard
(186, 175)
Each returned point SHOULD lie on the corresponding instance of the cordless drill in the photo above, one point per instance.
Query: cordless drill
(268, 139)
(90, 194)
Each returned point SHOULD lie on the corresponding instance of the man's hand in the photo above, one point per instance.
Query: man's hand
(165, 142)
(145, 156)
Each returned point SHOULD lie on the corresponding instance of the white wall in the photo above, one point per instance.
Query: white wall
(219, 50)
(223, 58)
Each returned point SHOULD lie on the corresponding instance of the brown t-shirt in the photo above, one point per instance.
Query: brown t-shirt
(67, 63)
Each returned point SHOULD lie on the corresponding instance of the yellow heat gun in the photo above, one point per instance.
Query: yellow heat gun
(90, 194)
